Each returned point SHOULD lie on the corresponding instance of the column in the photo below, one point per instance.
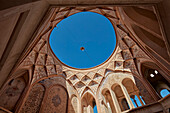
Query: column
(127, 96)
(84, 110)
(109, 108)
(140, 99)
(89, 109)
(79, 106)
(115, 101)
(134, 100)
(105, 104)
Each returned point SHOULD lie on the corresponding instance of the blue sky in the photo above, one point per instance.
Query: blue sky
(164, 92)
(90, 30)
(95, 109)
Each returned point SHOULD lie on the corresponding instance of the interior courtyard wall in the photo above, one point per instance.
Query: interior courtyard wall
(54, 68)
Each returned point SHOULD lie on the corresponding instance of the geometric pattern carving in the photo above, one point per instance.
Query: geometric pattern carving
(111, 65)
(80, 85)
(93, 86)
(119, 57)
(118, 65)
(44, 63)
(101, 71)
(129, 41)
(51, 70)
(41, 59)
(39, 45)
(92, 83)
(91, 74)
(74, 79)
(31, 58)
(127, 55)
(86, 80)
(50, 60)
(137, 52)
(122, 45)
(44, 49)
(98, 78)
(58, 69)
(39, 72)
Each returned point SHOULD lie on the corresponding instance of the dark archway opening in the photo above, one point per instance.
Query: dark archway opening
(155, 79)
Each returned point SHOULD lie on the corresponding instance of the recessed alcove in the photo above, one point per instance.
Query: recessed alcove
(83, 40)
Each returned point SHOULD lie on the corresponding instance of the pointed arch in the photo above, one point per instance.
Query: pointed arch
(56, 99)
(120, 97)
(88, 103)
(133, 92)
(108, 100)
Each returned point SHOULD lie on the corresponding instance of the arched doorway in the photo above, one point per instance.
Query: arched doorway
(120, 97)
(108, 101)
(133, 92)
(88, 104)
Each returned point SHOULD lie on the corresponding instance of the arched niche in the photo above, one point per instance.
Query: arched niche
(13, 91)
(34, 99)
(130, 86)
(154, 76)
(88, 103)
(132, 91)
(108, 101)
(120, 97)
(55, 100)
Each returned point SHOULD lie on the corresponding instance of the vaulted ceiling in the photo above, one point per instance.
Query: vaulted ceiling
(21, 21)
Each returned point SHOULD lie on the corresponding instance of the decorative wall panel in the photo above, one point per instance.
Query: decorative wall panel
(34, 100)
(55, 101)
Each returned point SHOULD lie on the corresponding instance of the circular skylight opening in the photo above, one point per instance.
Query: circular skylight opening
(83, 40)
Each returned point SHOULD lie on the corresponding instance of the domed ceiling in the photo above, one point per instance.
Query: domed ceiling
(124, 59)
